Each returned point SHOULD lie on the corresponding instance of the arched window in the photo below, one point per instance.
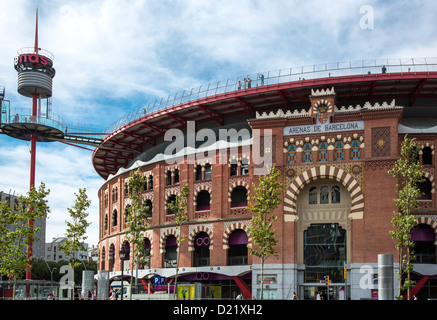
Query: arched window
(176, 176)
(426, 188)
(234, 168)
(149, 205)
(111, 257)
(427, 156)
(203, 201)
(102, 259)
(307, 153)
(338, 151)
(198, 172)
(324, 195)
(207, 173)
(114, 217)
(239, 197)
(291, 157)
(147, 249)
(237, 252)
(244, 169)
(150, 182)
(424, 237)
(105, 222)
(335, 194)
(170, 256)
(312, 199)
(171, 198)
(355, 150)
(168, 178)
(201, 250)
(323, 152)
(126, 247)
(126, 212)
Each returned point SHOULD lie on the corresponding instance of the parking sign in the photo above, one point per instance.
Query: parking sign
(158, 280)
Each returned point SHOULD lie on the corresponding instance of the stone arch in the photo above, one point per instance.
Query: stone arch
(323, 172)
(430, 177)
(232, 227)
(235, 184)
(164, 236)
(430, 222)
(194, 232)
(201, 187)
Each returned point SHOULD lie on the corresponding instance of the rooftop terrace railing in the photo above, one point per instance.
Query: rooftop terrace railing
(316, 71)
(22, 115)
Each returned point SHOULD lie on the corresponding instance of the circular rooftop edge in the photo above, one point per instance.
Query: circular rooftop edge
(126, 143)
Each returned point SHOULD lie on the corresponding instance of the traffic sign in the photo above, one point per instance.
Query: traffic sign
(158, 280)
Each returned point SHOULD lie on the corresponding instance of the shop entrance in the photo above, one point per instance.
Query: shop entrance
(315, 291)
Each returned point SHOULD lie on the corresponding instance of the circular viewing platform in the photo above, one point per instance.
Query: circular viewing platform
(24, 126)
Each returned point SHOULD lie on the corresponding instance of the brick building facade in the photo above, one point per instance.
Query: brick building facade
(334, 218)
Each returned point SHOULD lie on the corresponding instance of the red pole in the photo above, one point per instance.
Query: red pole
(32, 156)
(32, 180)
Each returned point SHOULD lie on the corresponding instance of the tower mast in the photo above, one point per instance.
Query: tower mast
(32, 152)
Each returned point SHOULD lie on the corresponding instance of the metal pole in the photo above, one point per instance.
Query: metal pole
(122, 268)
(32, 156)
(385, 277)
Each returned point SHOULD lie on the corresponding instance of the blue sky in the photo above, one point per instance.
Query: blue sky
(112, 56)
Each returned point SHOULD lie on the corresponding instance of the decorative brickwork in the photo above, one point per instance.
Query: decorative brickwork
(381, 142)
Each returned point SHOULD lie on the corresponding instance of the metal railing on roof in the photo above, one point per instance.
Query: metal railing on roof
(335, 69)
(23, 115)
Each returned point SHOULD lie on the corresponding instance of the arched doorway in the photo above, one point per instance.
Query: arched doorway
(323, 238)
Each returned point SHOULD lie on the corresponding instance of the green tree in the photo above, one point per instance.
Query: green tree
(409, 173)
(180, 209)
(265, 199)
(137, 217)
(16, 233)
(76, 229)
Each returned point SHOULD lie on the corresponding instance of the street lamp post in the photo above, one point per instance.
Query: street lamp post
(122, 254)
(51, 270)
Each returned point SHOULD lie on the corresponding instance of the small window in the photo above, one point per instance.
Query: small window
(198, 173)
(307, 153)
(168, 177)
(234, 169)
(114, 217)
(171, 199)
(150, 182)
(244, 167)
(176, 176)
(338, 151)
(207, 172)
(313, 196)
(323, 152)
(324, 195)
(335, 195)
(427, 156)
(355, 150)
(291, 157)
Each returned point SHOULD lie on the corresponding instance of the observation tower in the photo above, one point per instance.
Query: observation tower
(35, 80)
